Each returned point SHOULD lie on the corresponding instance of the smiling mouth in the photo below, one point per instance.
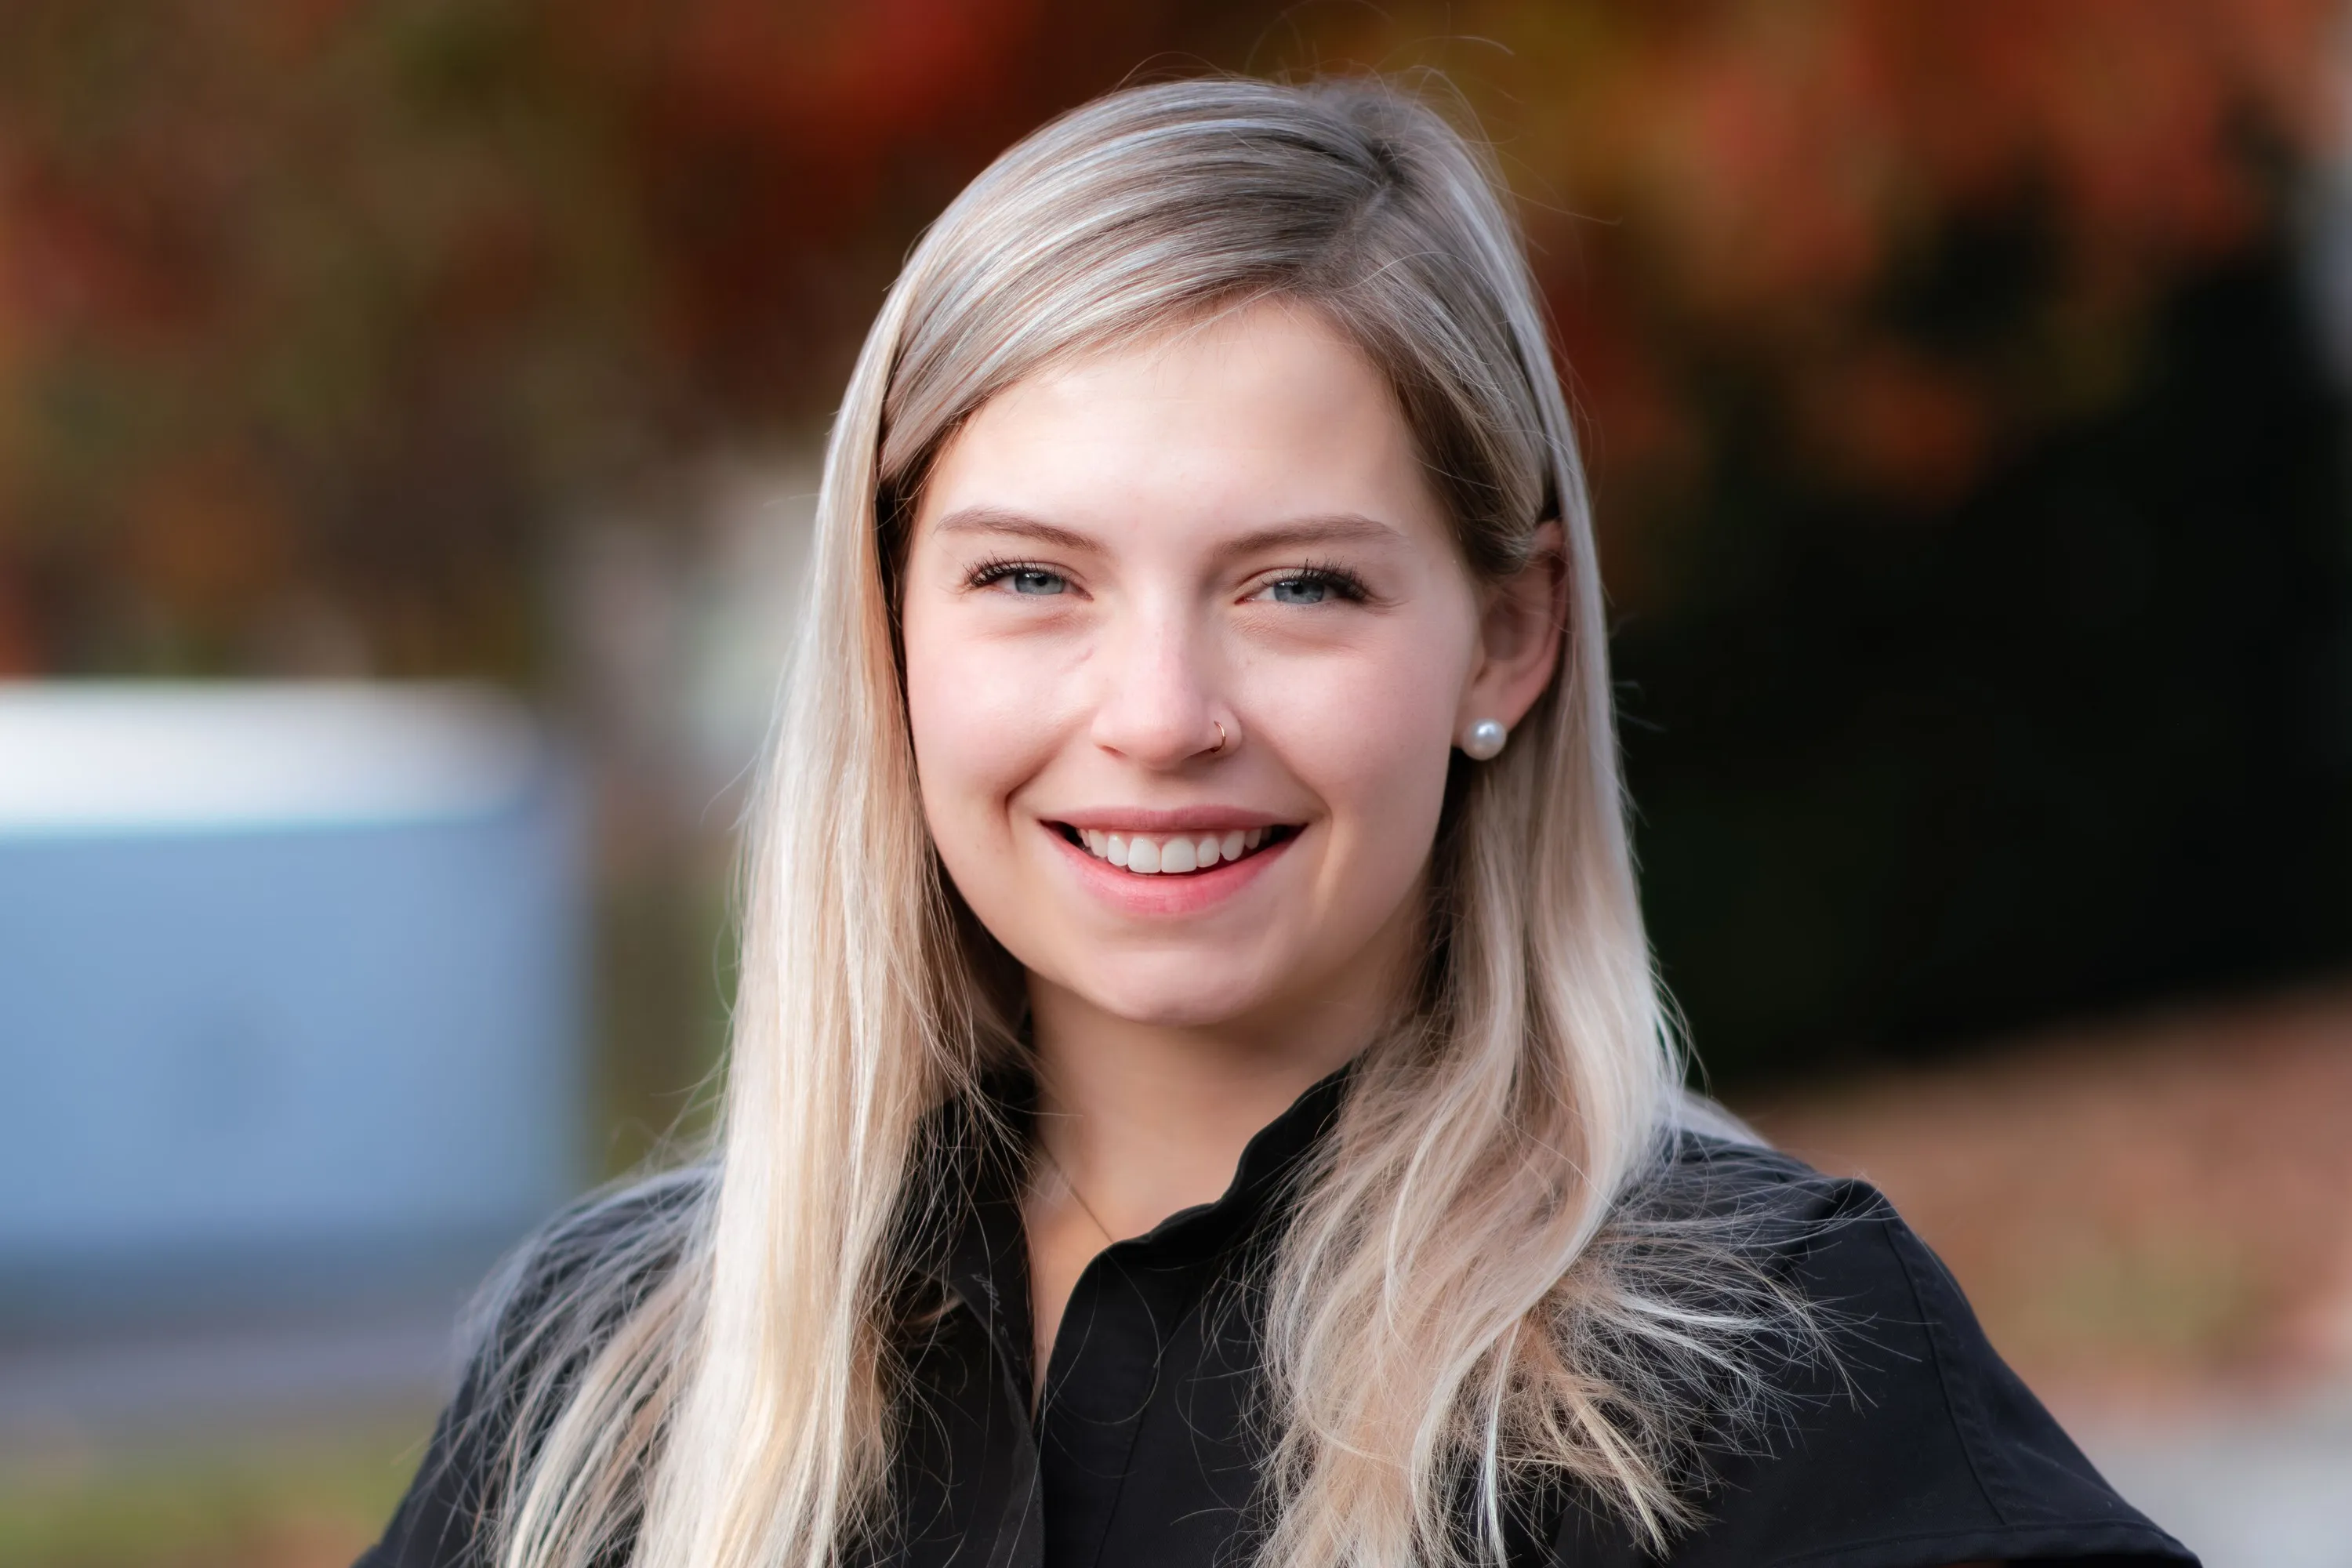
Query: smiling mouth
(1172, 854)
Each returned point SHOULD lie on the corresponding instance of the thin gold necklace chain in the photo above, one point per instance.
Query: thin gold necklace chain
(1075, 1196)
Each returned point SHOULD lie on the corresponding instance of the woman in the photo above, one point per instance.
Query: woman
(1199, 1093)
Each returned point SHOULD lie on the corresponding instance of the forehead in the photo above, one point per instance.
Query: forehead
(1249, 417)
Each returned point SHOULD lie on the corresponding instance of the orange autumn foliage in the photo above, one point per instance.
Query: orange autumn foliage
(432, 271)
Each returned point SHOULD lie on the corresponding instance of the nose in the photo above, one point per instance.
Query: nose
(1160, 704)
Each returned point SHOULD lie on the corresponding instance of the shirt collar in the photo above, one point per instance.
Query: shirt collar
(981, 1170)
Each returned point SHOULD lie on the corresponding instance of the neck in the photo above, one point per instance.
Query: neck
(1145, 1119)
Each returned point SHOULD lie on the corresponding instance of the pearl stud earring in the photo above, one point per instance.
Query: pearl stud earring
(1484, 740)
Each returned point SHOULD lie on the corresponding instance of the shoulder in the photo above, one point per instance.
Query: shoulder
(1905, 1441)
(550, 1307)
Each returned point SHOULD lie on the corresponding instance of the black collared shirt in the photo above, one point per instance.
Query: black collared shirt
(1919, 1449)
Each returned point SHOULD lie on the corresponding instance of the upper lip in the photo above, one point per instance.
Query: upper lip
(1168, 819)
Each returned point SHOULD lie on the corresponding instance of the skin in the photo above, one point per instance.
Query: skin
(1203, 583)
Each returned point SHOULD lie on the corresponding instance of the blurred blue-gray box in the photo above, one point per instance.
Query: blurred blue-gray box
(289, 992)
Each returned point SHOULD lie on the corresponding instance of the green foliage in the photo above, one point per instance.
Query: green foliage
(314, 1501)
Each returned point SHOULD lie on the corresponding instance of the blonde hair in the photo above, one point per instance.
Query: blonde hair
(1468, 1295)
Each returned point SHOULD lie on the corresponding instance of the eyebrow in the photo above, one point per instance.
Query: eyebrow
(1335, 529)
(995, 519)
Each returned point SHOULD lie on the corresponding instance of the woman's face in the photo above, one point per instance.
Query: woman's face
(1188, 643)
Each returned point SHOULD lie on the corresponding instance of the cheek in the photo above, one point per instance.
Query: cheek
(1371, 736)
(977, 728)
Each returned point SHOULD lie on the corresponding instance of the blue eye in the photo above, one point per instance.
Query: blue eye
(1020, 577)
(1316, 585)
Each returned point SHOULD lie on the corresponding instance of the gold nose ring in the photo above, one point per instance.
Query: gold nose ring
(1221, 736)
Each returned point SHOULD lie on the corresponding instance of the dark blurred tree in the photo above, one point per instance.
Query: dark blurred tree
(1968, 486)
(2079, 738)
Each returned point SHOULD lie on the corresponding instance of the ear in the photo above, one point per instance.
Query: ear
(1520, 629)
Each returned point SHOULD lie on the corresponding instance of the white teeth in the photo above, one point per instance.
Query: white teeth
(1173, 856)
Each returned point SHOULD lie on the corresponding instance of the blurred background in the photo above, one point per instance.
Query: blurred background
(408, 412)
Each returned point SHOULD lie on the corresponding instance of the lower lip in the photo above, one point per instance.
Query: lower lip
(1179, 893)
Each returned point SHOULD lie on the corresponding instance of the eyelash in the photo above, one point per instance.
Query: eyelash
(997, 568)
(1338, 579)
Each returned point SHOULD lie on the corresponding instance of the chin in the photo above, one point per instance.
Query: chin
(1161, 1011)
(1176, 996)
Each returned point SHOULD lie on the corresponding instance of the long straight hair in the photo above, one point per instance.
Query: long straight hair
(1466, 1295)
